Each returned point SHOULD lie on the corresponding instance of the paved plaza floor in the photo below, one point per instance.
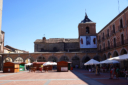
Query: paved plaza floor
(75, 77)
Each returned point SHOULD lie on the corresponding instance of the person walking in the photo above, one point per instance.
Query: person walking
(117, 73)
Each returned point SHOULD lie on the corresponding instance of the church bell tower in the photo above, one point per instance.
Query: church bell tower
(87, 35)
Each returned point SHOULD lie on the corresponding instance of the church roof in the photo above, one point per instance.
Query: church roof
(57, 40)
(86, 19)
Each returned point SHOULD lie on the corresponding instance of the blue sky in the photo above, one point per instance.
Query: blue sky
(24, 21)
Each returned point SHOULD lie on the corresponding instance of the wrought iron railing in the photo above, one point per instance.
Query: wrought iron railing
(120, 27)
(117, 44)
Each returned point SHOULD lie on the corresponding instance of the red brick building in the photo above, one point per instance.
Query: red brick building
(113, 38)
(111, 41)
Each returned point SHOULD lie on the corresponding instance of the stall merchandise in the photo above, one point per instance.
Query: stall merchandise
(38, 65)
(22, 66)
(10, 67)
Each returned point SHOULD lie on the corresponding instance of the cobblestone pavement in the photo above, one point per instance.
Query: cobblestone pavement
(75, 77)
(45, 78)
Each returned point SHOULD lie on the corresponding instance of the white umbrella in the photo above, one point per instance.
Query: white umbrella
(91, 62)
(29, 64)
(109, 61)
(121, 57)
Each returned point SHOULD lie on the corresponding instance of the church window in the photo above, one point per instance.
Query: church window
(87, 30)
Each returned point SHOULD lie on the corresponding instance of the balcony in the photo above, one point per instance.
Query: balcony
(103, 38)
(120, 28)
(112, 32)
(107, 36)
(107, 48)
(119, 43)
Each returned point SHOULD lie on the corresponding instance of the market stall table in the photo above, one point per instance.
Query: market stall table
(10, 67)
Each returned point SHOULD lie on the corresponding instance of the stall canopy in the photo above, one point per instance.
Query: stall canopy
(29, 64)
(49, 63)
(121, 57)
(109, 61)
(92, 62)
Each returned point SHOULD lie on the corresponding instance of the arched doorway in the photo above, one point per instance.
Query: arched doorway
(123, 51)
(96, 58)
(52, 58)
(115, 54)
(76, 62)
(124, 63)
(29, 60)
(104, 57)
(109, 55)
(41, 59)
(85, 59)
(19, 60)
(64, 58)
(8, 59)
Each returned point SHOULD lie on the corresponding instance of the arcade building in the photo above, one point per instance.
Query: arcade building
(110, 41)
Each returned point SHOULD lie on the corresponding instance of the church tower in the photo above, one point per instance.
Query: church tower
(87, 35)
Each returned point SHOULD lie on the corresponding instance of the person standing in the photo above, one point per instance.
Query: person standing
(117, 72)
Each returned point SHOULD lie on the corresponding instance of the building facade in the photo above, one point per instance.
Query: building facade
(56, 45)
(10, 49)
(113, 38)
(111, 41)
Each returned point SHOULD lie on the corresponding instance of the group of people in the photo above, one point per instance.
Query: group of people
(114, 71)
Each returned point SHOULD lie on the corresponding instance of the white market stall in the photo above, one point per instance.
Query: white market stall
(120, 57)
(49, 63)
(109, 61)
(92, 62)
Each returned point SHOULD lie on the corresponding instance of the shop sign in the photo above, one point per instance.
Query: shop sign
(64, 68)
(8, 69)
